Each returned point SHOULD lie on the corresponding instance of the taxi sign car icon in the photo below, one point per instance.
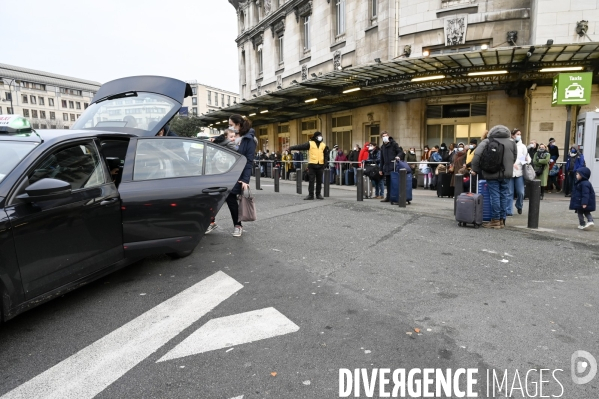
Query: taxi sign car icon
(574, 91)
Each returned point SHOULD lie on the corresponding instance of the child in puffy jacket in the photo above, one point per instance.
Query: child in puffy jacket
(583, 198)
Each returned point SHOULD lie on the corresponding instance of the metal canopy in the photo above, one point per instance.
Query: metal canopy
(393, 81)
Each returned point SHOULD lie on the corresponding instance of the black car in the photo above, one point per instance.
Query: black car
(78, 204)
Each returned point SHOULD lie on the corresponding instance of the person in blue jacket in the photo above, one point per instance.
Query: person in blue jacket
(583, 198)
(575, 160)
(247, 148)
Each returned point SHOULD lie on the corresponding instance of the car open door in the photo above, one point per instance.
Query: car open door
(170, 190)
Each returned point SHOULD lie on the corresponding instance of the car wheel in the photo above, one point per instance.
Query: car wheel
(180, 254)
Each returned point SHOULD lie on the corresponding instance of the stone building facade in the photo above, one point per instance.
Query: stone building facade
(285, 43)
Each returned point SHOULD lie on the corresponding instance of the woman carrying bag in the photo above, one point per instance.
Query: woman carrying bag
(540, 162)
(247, 148)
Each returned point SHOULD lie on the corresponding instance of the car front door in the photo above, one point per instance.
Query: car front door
(170, 189)
(62, 240)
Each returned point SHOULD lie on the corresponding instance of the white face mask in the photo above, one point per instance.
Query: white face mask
(370, 148)
(385, 139)
(442, 148)
(319, 138)
(471, 146)
(460, 149)
(412, 152)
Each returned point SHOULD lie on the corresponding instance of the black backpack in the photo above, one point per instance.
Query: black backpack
(491, 160)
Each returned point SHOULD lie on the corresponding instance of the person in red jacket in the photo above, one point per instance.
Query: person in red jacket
(363, 154)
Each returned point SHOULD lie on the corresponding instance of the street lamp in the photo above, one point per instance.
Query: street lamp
(12, 110)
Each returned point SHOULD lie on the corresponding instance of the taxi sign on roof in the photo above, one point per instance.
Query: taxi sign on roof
(14, 124)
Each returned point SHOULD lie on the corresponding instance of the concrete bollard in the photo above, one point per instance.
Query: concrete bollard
(403, 181)
(534, 204)
(298, 180)
(276, 174)
(360, 184)
(327, 182)
(258, 178)
(458, 188)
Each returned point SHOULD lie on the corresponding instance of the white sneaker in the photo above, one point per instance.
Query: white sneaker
(588, 224)
(211, 227)
(582, 227)
(237, 231)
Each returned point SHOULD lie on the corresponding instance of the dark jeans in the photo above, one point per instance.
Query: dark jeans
(582, 214)
(499, 192)
(315, 172)
(234, 208)
(570, 181)
(388, 184)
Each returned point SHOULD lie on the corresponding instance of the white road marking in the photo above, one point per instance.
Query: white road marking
(92, 369)
(238, 397)
(233, 330)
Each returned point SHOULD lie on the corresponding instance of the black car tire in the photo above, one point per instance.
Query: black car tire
(180, 254)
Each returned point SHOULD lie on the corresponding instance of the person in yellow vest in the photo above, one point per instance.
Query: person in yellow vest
(469, 158)
(318, 159)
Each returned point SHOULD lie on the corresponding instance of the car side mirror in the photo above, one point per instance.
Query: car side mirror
(46, 189)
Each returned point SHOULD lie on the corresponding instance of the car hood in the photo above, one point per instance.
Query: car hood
(173, 88)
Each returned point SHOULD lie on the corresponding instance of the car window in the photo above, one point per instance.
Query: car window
(11, 153)
(167, 158)
(218, 160)
(78, 165)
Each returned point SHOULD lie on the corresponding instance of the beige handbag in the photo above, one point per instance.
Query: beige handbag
(247, 207)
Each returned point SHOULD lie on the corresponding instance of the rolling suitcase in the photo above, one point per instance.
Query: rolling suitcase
(414, 182)
(292, 176)
(394, 188)
(367, 186)
(483, 189)
(469, 209)
(444, 188)
(349, 177)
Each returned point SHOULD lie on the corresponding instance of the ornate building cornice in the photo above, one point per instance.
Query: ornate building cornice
(270, 19)
(278, 26)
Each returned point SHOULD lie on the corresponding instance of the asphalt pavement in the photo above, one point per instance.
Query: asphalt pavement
(313, 287)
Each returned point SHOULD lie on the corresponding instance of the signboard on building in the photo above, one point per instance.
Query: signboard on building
(572, 88)
(184, 111)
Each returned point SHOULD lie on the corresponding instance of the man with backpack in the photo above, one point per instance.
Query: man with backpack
(494, 158)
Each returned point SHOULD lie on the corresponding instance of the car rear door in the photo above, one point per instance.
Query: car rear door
(170, 190)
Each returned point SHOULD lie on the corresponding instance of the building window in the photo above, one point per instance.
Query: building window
(65, 117)
(52, 126)
(51, 102)
(194, 101)
(280, 54)
(0, 110)
(43, 126)
(52, 115)
(85, 105)
(194, 91)
(216, 99)
(228, 101)
(342, 131)
(42, 114)
(340, 17)
(71, 91)
(306, 33)
(65, 127)
(7, 96)
(222, 100)
(33, 100)
(34, 113)
(30, 85)
(64, 103)
(259, 60)
(209, 97)
(78, 104)
(373, 8)
(35, 125)
(9, 110)
(25, 99)
(26, 113)
(451, 3)
(72, 117)
(41, 100)
(71, 105)
(194, 110)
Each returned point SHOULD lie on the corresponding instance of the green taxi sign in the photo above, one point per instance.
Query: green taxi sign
(572, 88)
(14, 124)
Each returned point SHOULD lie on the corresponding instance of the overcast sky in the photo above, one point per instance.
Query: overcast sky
(102, 40)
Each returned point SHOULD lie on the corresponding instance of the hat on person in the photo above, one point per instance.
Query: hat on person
(473, 141)
(316, 134)
(335, 146)
(551, 139)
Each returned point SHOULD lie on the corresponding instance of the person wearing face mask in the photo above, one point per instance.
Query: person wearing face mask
(444, 152)
(574, 162)
(469, 158)
(288, 162)
(424, 167)
(318, 159)
(516, 183)
(532, 148)
(390, 151)
(354, 156)
(540, 163)
(412, 160)
(459, 163)
(374, 158)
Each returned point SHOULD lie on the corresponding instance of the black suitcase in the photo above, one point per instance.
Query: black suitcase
(444, 188)
(414, 182)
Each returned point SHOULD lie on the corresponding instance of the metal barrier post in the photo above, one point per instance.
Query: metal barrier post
(534, 204)
(258, 178)
(276, 174)
(298, 180)
(458, 188)
(327, 182)
(360, 186)
(403, 181)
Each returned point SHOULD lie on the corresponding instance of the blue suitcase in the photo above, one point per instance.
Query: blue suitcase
(483, 189)
(394, 189)
(349, 177)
